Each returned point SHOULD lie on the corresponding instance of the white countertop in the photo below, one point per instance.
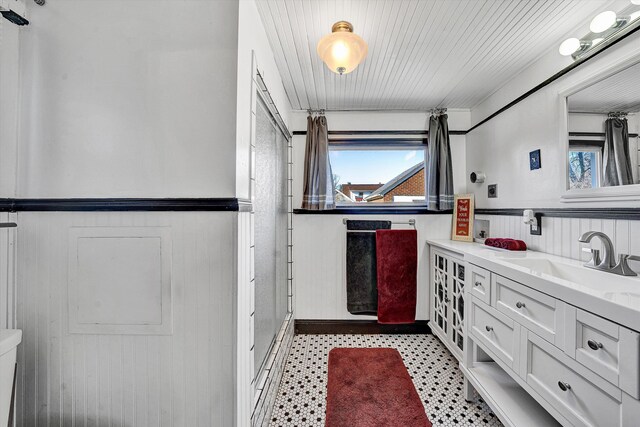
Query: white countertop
(615, 297)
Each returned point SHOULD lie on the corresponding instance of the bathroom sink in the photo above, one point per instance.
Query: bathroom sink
(598, 280)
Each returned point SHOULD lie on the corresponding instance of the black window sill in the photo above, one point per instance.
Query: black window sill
(369, 210)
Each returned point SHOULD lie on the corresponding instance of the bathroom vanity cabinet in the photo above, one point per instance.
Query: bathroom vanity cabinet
(533, 352)
(446, 288)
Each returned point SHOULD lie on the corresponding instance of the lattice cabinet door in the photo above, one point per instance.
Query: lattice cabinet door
(457, 305)
(440, 294)
(447, 300)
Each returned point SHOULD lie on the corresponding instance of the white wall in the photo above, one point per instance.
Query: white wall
(183, 379)
(254, 52)
(501, 147)
(129, 99)
(319, 241)
(9, 98)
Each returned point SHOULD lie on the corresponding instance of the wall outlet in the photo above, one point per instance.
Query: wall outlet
(481, 229)
(492, 191)
(536, 229)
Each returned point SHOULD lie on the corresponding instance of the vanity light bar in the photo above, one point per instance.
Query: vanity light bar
(606, 28)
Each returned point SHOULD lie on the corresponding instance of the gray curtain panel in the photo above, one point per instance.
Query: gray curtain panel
(319, 193)
(439, 168)
(616, 159)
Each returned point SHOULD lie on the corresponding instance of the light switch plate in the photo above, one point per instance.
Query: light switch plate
(535, 161)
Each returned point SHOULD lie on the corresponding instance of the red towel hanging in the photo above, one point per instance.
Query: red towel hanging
(397, 259)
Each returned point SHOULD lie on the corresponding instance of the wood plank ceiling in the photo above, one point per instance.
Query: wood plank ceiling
(619, 92)
(422, 53)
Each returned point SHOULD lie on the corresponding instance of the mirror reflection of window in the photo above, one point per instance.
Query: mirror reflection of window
(603, 124)
(584, 168)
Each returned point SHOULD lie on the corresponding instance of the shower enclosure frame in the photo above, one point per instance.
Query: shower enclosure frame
(265, 378)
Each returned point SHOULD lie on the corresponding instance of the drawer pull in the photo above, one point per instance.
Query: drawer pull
(519, 304)
(489, 328)
(564, 386)
(478, 284)
(594, 345)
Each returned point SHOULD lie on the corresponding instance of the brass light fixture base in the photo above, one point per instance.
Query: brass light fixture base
(342, 26)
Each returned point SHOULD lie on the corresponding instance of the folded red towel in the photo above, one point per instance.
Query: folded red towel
(509, 244)
(491, 242)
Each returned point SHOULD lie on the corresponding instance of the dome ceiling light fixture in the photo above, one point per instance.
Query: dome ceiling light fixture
(342, 50)
(605, 28)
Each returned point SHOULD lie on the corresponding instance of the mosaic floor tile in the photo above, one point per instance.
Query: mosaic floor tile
(301, 395)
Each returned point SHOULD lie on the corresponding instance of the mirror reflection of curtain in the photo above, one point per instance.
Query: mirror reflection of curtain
(616, 158)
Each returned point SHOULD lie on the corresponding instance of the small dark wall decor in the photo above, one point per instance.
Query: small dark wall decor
(534, 160)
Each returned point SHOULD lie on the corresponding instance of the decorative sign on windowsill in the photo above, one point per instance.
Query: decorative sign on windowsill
(462, 228)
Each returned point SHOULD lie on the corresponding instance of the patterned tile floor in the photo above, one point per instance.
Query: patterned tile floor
(435, 373)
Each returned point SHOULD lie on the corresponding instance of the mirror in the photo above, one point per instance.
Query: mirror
(603, 123)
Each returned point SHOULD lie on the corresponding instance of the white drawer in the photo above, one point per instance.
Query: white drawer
(536, 311)
(604, 347)
(480, 283)
(581, 396)
(496, 331)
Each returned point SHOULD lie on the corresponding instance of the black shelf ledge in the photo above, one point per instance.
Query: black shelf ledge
(632, 214)
(373, 211)
(125, 204)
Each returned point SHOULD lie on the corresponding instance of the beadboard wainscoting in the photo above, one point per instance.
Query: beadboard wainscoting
(246, 304)
(183, 379)
(319, 269)
(560, 235)
(7, 272)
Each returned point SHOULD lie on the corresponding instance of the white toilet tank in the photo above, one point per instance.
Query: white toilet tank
(9, 340)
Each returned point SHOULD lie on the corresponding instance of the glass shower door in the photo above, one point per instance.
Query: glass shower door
(270, 207)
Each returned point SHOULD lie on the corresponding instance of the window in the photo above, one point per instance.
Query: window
(584, 167)
(383, 172)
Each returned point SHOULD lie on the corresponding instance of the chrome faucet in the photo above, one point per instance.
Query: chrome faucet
(607, 257)
(622, 268)
(607, 262)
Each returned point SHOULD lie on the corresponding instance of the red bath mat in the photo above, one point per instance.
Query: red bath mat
(370, 387)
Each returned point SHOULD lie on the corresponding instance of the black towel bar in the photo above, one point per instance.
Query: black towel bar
(411, 222)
